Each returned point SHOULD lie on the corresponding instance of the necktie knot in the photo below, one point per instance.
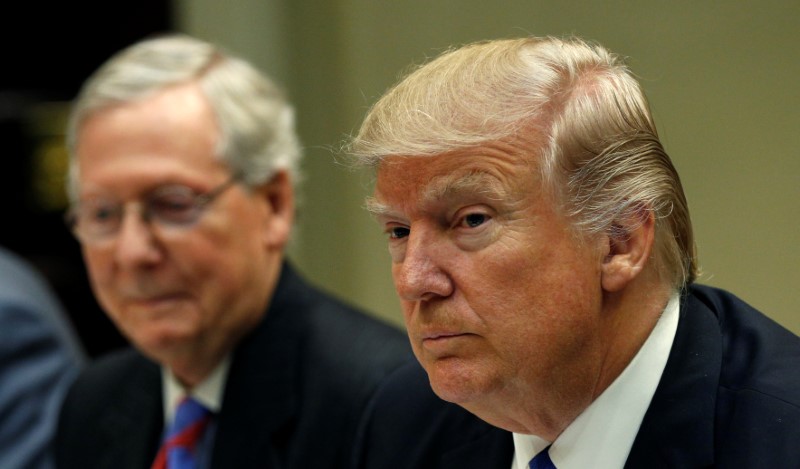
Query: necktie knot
(542, 460)
(189, 416)
(180, 444)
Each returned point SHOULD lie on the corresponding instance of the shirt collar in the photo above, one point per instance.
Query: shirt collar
(208, 392)
(602, 435)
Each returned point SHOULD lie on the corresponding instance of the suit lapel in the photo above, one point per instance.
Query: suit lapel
(678, 428)
(260, 394)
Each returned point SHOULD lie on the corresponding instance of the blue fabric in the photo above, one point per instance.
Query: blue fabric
(542, 460)
(180, 454)
(40, 355)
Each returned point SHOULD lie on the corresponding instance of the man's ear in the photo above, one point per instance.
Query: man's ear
(630, 244)
(278, 194)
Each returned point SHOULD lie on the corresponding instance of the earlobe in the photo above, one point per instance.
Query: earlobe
(630, 245)
(278, 196)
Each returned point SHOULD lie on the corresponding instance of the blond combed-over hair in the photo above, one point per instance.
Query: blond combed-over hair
(596, 144)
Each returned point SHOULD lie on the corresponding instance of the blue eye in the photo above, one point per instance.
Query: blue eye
(475, 219)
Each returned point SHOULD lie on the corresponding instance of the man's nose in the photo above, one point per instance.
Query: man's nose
(135, 242)
(421, 276)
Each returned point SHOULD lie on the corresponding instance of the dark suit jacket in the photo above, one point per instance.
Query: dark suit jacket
(296, 389)
(729, 397)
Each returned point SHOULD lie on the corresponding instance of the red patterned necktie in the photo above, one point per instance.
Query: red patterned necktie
(179, 447)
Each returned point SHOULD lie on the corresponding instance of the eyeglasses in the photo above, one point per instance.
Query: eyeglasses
(97, 221)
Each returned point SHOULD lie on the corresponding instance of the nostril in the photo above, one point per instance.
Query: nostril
(421, 279)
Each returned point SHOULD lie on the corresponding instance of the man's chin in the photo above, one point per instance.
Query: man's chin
(162, 343)
(455, 381)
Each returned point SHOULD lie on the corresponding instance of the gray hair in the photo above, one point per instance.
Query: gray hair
(257, 135)
(597, 146)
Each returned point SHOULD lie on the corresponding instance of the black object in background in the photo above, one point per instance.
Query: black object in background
(48, 49)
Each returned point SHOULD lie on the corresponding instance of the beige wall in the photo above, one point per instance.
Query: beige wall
(722, 78)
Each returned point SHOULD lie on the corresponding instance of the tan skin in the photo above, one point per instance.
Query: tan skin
(182, 297)
(511, 315)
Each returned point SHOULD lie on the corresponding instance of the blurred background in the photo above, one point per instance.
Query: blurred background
(722, 78)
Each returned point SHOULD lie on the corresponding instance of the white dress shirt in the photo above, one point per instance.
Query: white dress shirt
(602, 435)
(208, 392)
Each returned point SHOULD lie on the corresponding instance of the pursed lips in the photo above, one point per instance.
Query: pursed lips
(150, 301)
(440, 335)
(442, 340)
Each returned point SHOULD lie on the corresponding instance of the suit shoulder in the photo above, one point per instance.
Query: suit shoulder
(114, 394)
(758, 354)
(758, 401)
(352, 344)
(336, 333)
(350, 330)
(337, 348)
(109, 376)
(111, 379)
(117, 366)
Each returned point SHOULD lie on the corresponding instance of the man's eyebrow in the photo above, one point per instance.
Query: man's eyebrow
(376, 208)
(447, 187)
(474, 183)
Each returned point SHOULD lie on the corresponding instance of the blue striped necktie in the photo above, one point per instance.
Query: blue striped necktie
(180, 445)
